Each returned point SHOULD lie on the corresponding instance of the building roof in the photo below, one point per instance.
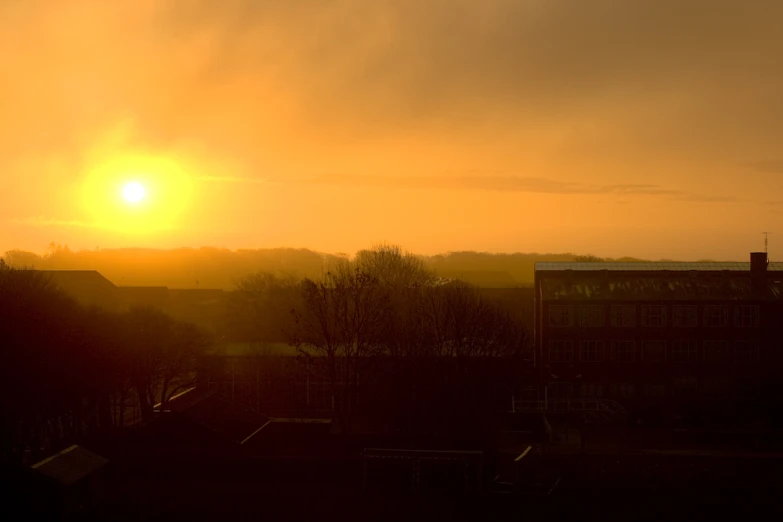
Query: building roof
(88, 287)
(641, 287)
(222, 416)
(70, 465)
(654, 266)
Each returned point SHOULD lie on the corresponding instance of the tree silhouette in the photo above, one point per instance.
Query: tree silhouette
(338, 327)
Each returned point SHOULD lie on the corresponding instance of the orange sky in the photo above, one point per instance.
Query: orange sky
(650, 128)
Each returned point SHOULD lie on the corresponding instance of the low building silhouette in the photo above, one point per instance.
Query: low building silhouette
(663, 336)
(202, 306)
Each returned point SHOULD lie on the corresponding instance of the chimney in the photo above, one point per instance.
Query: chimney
(758, 269)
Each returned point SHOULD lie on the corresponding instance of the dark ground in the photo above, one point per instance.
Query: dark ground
(631, 488)
(178, 471)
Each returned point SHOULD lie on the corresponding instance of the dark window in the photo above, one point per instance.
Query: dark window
(653, 316)
(747, 388)
(654, 351)
(746, 316)
(716, 316)
(716, 351)
(685, 316)
(623, 351)
(624, 390)
(623, 315)
(592, 316)
(561, 351)
(684, 387)
(591, 390)
(561, 316)
(746, 352)
(560, 390)
(718, 386)
(685, 351)
(656, 390)
(591, 351)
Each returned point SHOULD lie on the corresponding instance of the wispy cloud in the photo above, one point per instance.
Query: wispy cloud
(534, 185)
(234, 179)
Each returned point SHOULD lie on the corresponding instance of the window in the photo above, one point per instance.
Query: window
(561, 351)
(623, 351)
(590, 390)
(716, 351)
(685, 316)
(560, 390)
(685, 351)
(746, 352)
(592, 316)
(716, 315)
(656, 390)
(718, 386)
(654, 315)
(746, 316)
(623, 315)
(591, 351)
(561, 316)
(747, 388)
(624, 390)
(654, 351)
(684, 387)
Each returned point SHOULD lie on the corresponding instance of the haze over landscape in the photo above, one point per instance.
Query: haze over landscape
(391, 259)
(649, 129)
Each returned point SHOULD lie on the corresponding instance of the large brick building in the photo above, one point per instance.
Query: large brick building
(652, 334)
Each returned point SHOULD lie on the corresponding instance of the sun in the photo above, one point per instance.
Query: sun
(133, 192)
(137, 193)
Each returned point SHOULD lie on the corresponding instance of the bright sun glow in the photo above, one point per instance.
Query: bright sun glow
(133, 192)
(137, 193)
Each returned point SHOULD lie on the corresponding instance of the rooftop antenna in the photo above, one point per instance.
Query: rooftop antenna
(766, 242)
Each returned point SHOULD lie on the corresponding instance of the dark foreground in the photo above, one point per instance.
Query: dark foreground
(616, 488)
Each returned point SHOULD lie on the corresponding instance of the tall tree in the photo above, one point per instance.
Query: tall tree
(338, 327)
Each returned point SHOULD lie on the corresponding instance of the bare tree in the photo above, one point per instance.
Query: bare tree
(394, 267)
(588, 258)
(180, 360)
(404, 277)
(461, 323)
(259, 306)
(162, 355)
(340, 325)
(147, 332)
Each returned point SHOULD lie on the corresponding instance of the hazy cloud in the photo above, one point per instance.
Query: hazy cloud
(771, 166)
(532, 185)
(234, 179)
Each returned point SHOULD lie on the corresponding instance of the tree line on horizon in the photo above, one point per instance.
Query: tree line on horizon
(208, 267)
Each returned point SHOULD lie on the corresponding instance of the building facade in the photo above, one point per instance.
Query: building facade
(648, 335)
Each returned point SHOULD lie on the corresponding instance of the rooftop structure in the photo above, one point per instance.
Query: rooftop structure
(662, 280)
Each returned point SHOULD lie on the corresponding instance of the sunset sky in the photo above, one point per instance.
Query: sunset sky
(649, 128)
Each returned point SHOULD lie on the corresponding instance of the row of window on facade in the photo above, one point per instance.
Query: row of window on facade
(677, 388)
(625, 351)
(591, 316)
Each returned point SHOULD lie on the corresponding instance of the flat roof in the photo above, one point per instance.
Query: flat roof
(70, 465)
(653, 266)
